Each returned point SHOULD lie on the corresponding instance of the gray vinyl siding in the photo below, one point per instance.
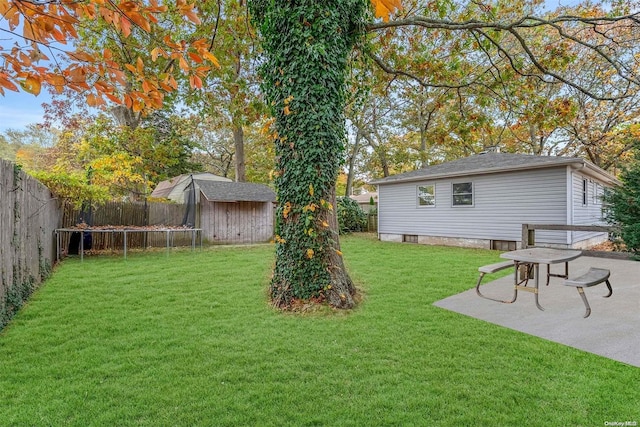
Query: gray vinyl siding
(589, 214)
(502, 202)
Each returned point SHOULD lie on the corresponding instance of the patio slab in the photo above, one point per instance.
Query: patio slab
(612, 330)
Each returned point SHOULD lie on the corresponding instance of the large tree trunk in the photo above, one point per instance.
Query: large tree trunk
(306, 45)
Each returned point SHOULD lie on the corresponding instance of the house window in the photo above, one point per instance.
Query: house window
(410, 238)
(463, 194)
(596, 194)
(585, 192)
(427, 195)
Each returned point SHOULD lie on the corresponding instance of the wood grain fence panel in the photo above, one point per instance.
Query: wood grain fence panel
(29, 214)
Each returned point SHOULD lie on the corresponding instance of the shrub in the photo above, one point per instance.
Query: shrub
(351, 217)
(624, 205)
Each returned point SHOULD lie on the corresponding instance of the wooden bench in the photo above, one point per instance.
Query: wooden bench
(593, 277)
(492, 268)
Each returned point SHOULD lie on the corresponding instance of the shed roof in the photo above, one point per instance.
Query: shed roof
(218, 191)
(495, 163)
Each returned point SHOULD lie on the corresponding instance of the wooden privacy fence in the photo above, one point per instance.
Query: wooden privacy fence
(118, 215)
(372, 222)
(28, 216)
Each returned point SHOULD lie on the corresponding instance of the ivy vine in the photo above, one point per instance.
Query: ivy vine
(307, 45)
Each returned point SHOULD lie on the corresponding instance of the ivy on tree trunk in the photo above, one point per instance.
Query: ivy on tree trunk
(306, 46)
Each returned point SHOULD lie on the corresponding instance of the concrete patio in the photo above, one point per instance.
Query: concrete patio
(612, 330)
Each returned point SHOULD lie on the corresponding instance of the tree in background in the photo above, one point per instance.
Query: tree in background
(230, 97)
(123, 162)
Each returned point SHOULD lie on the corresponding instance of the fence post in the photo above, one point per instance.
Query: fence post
(528, 236)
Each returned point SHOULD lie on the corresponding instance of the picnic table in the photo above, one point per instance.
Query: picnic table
(531, 258)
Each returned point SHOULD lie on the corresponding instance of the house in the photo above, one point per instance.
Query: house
(174, 188)
(235, 212)
(364, 201)
(483, 200)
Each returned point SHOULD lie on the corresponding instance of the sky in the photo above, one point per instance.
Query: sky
(19, 109)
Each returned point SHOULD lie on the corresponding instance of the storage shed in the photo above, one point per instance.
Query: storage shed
(236, 212)
(483, 200)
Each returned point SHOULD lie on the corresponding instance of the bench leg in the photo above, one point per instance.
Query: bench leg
(584, 299)
(486, 297)
(610, 289)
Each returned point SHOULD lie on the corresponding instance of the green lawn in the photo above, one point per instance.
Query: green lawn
(189, 339)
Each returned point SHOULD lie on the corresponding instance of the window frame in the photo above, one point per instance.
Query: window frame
(419, 195)
(454, 194)
(598, 193)
(585, 191)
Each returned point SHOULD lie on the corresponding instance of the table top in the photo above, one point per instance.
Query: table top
(542, 255)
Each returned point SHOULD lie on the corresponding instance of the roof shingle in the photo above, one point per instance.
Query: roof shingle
(486, 163)
(218, 191)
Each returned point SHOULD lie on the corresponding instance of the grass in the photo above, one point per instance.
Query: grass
(188, 339)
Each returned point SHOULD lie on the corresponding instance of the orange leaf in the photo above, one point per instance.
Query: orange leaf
(91, 100)
(57, 81)
(140, 21)
(384, 8)
(4, 82)
(125, 25)
(197, 58)
(113, 98)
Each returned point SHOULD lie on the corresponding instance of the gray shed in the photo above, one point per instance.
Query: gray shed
(236, 212)
(483, 200)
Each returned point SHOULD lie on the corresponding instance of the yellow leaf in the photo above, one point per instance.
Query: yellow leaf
(140, 66)
(310, 253)
(311, 189)
(155, 53)
(32, 85)
(184, 66)
(211, 57)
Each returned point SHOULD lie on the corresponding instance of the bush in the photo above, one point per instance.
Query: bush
(351, 217)
(624, 205)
